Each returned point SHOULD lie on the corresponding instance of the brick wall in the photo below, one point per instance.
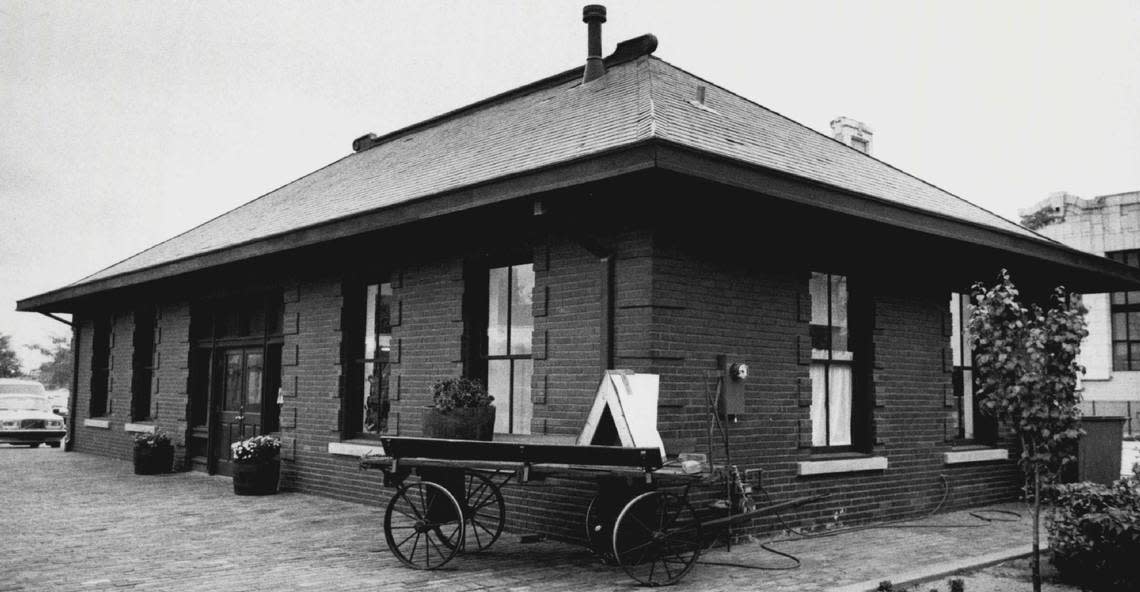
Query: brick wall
(85, 326)
(568, 365)
(427, 342)
(168, 383)
(704, 307)
(676, 308)
(311, 377)
(112, 440)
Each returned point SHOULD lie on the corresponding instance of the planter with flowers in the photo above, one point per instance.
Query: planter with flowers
(154, 453)
(256, 465)
(461, 410)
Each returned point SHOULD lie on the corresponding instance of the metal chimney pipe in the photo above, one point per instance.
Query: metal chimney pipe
(593, 15)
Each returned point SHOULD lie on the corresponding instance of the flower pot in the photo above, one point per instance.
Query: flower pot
(257, 478)
(471, 423)
(152, 460)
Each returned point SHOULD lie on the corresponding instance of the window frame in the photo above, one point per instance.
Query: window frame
(860, 346)
(476, 306)
(142, 362)
(101, 344)
(354, 351)
(984, 427)
(1129, 304)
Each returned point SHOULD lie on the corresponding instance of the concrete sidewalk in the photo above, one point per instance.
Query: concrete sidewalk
(71, 521)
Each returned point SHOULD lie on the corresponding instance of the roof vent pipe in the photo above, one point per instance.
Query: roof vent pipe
(593, 15)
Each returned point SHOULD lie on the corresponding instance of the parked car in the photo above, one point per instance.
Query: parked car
(26, 415)
(59, 401)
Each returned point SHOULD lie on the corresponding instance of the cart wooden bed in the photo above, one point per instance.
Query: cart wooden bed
(655, 535)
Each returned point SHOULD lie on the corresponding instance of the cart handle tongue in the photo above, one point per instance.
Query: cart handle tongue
(793, 503)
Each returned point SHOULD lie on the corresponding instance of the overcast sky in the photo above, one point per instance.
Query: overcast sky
(125, 123)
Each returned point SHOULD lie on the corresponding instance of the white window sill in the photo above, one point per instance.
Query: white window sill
(103, 424)
(357, 449)
(841, 465)
(140, 428)
(958, 457)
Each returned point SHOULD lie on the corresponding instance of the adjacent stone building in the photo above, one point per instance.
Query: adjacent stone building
(1108, 225)
(637, 217)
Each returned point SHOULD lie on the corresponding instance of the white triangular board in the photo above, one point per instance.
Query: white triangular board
(632, 401)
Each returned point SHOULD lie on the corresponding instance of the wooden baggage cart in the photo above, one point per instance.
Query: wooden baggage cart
(456, 505)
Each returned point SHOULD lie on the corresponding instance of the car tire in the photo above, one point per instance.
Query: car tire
(54, 444)
(34, 445)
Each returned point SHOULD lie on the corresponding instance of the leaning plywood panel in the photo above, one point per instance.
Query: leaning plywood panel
(624, 412)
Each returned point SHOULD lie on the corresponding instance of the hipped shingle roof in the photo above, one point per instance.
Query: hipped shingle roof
(562, 120)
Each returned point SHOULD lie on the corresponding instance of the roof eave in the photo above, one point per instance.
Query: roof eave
(626, 159)
(623, 160)
(1103, 274)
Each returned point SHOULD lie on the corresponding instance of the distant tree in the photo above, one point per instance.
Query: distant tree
(9, 363)
(56, 372)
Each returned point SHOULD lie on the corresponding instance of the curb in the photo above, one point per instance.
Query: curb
(940, 570)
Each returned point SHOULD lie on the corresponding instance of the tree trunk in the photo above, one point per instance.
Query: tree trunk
(1036, 528)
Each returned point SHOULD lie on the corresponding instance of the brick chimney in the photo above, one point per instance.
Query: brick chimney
(854, 133)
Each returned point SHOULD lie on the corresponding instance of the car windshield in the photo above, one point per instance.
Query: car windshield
(23, 388)
(24, 403)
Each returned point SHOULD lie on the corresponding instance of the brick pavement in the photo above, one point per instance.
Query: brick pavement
(72, 521)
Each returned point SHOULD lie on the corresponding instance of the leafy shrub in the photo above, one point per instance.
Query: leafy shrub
(156, 440)
(257, 449)
(1094, 532)
(459, 393)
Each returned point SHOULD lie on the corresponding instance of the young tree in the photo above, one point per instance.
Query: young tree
(1025, 359)
(56, 372)
(9, 363)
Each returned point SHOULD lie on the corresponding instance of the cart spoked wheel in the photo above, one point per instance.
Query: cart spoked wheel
(657, 538)
(423, 525)
(483, 510)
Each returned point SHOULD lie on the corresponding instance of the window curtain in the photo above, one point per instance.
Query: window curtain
(831, 406)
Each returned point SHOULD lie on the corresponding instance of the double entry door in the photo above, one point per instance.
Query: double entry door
(244, 399)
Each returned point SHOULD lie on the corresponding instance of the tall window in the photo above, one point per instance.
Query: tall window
(100, 367)
(960, 310)
(972, 423)
(1126, 319)
(368, 320)
(142, 363)
(832, 372)
(510, 323)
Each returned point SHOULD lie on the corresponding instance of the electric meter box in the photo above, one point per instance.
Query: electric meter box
(730, 400)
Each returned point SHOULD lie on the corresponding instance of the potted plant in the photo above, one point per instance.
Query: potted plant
(461, 410)
(256, 465)
(154, 453)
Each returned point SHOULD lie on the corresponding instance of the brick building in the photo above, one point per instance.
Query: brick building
(1108, 225)
(624, 215)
